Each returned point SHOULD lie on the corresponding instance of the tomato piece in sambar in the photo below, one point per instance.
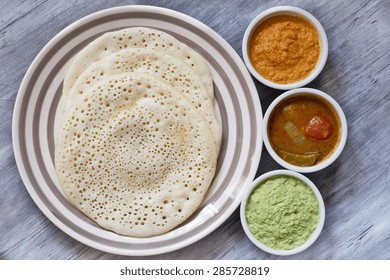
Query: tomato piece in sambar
(319, 128)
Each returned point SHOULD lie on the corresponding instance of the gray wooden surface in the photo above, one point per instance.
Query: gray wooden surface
(356, 188)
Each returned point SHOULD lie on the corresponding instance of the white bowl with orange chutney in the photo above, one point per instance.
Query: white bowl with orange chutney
(285, 47)
(305, 130)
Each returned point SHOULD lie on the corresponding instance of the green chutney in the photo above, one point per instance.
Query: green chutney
(282, 212)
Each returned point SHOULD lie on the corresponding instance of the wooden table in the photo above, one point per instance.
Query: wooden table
(356, 188)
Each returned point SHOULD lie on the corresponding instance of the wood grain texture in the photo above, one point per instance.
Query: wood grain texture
(356, 188)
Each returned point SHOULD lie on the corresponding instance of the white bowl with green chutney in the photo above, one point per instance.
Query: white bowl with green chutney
(282, 212)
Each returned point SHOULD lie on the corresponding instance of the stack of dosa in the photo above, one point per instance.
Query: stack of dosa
(138, 146)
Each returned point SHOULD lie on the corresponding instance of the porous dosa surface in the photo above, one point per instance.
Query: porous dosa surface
(134, 156)
(163, 66)
(137, 37)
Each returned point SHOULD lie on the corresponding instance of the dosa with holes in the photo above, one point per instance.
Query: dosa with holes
(163, 66)
(134, 155)
(137, 37)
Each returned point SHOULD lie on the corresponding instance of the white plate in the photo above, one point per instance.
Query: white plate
(37, 115)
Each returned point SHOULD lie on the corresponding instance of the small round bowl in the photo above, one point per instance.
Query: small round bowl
(343, 130)
(314, 235)
(294, 11)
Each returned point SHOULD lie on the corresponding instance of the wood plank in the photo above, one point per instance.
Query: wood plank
(355, 188)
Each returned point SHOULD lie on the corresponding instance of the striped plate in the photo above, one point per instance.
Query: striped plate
(37, 117)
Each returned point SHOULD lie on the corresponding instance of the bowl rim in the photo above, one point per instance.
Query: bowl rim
(343, 130)
(313, 237)
(291, 10)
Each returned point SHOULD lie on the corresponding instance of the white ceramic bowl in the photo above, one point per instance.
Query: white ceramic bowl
(343, 130)
(286, 10)
(313, 237)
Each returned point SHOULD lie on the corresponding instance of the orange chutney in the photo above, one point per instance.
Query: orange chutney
(284, 49)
